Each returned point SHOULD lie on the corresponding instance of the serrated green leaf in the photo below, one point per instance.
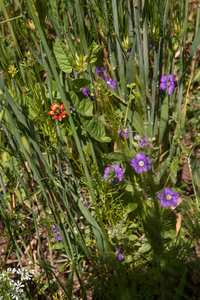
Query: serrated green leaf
(64, 57)
(96, 129)
(81, 103)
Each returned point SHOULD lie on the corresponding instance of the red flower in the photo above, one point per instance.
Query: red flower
(58, 111)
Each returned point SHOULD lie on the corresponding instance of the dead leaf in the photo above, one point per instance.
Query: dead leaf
(178, 224)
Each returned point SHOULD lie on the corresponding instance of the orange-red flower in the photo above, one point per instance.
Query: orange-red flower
(58, 111)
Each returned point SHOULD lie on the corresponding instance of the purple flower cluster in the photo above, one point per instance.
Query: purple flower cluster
(112, 173)
(124, 131)
(168, 198)
(173, 84)
(141, 163)
(119, 256)
(57, 233)
(85, 92)
(100, 73)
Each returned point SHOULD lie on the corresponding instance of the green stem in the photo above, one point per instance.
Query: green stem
(161, 281)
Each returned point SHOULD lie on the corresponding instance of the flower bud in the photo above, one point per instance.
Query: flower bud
(177, 29)
(26, 145)
(175, 45)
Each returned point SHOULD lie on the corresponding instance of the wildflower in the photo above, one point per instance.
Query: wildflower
(119, 256)
(110, 83)
(58, 111)
(99, 71)
(143, 143)
(86, 204)
(85, 92)
(168, 198)
(163, 85)
(141, 163)
(113, 172)
(116, 249)
(71, 107)
(129, 51)
(57, 234)
(152, 46)
(125, 131)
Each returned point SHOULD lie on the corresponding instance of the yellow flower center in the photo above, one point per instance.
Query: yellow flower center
(141, 163)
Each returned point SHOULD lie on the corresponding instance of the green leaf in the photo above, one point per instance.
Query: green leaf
(133, 237)
(121, 155)
(131, 207)
(163, 119)
(64, 57)
(81, 82)
(144, 248)
(81, 103)
(135, 119)
(181, 286)
(195, 44)
(93, 52)
(195, 170)
(96, 129)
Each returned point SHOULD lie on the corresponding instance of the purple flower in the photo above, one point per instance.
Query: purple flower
(99, 71)
(129, 51)
(163, 85)
(85, 92)
(141, 163)
(57, 234)
(116, 249)
(143, 143)
(71, 107)
(110, 83)
(151, 46)
(168, 198)
(125, 131)
(113, 172)
(120, 256)
(86, 204)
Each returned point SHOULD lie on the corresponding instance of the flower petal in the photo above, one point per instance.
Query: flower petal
(161, 196)
(170, 89)
(54, 117)
(140, 156)
(171, 78)
(173, 202)
(162, 86)
(134, 162)
(164, 203)
(51, 112)
(163, 79)
(54, 106)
